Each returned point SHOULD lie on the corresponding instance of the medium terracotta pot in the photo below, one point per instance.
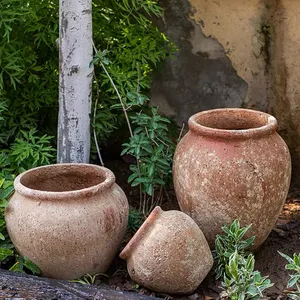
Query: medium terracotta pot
(232, 164)
(168, 254)
(69, 219)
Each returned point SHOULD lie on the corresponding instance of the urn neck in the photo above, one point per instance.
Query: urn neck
(141, 233)
(232, 123)
(64, 181)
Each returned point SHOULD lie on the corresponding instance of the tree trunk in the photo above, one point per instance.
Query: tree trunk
(75, 80)
(21, 286)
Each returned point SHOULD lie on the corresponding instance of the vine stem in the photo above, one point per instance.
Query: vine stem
(124, 111)
(120, 98)
(117, 91)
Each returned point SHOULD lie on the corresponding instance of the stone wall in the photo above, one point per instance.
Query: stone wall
(233, 53)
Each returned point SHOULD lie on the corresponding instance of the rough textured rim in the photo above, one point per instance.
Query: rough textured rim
(270, 127)
(142, 231)
(45, 195)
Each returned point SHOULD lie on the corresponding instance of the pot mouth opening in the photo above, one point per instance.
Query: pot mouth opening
(142, 231)
(59, 180)
(238, 122)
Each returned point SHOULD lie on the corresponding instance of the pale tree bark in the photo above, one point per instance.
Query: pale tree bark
(75, 80)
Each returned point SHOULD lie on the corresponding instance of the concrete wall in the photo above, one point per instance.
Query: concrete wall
(233, 53)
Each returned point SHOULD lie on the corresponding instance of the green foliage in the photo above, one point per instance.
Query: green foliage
(31, 151)
(130, 48)
(236, 266)
(127, 61)
(28, 66)
(294, 266)
(241, 281)
(154, 150)
(135, 220)
(23, 263)
(229, 243)
(29, 62)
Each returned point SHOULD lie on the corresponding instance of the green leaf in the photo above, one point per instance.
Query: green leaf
(294, 279)
(31, 266)
(4, 253)
(4, 194)
(138, 181)
(289, 259)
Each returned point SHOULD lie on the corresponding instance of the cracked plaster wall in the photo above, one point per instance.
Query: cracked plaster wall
(233, 53)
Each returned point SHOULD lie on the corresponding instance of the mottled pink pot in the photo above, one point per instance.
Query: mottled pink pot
(69, 219)
(232, 164)
(168, 254)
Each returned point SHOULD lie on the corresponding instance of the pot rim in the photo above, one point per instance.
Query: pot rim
(142, 231)
(269, 128)
(50, 195)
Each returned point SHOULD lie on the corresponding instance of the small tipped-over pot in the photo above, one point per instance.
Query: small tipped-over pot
(168, 254)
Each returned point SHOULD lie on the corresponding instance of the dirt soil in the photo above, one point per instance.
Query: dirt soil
(285, 237)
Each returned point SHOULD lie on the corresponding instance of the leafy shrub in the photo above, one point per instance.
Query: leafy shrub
(29, 62)
(294, 266)
(236, 266)
(130, 47)
(230, 242)
(240, 281)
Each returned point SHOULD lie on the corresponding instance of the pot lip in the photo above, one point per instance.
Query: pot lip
(50, 195)
(270, 127)
(139, 235)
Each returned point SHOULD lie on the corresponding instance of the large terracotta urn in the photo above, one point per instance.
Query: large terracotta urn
(232, 164)
(69, 219)
(168, 254)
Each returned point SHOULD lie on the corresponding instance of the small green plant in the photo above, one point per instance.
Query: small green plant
(294, 282)
(235, 265)
(88, 279)
(135, 220)
(228, 243)
(240, 280)
(153, 149)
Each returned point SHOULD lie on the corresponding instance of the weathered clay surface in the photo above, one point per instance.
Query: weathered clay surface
(232, 164)
(69, 219)
(168, 254)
